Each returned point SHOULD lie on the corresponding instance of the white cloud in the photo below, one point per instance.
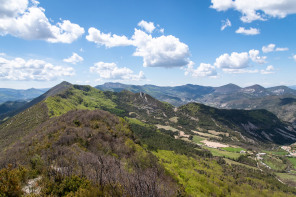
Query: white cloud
(147, 26)
(268, 48)
(26, 70)
(95, 35)
(111, 71)
(282, 49)
(221, 5)
(252, 10)
(225, 23)
(162, 51)
(233, 61)
(239, 62)
(271, 47)
(74, 59)
(269, 70)
(20, 19)
(294, 57)
(251, 31)
(240, 71)
(204, 70)
(12, 7)
(254, 55)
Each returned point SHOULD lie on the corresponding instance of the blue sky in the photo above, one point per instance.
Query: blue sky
(167, 43)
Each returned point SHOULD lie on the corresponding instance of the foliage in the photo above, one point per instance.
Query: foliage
(100, 150)
(205, 177)
(62, 186)
(155, 140)
(11, 181)
(245, 159)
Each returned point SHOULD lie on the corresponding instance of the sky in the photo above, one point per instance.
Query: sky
(165, 43)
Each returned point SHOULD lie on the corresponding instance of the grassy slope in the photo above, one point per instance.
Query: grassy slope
(221, 153)
(80, 97)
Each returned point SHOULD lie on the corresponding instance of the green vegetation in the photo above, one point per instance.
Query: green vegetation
(11, 180)
(84, 151)
(197, 139)
(233, 149)
(231, 162)
(205, 177)
(222, 153)
(80, 97)
(155, 140)
(293, 161)
(276, 163)
(279, 152)
(288, 178)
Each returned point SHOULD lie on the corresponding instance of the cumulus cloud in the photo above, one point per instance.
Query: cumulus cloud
(233, 61)
(239, 62)
(108, 40)
(252, 31)
(269, 70)
(74, 59)
(26, 20)
(225, 23)
(30, 70)
(254, 55)
(294, 57)
(271, 47)
(268, 48)
(204, 70)
(111, 71)
(163, 51)
(252, 10)
(147, 26)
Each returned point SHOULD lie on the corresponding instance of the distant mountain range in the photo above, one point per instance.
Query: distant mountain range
(7, 94)
(279, 100)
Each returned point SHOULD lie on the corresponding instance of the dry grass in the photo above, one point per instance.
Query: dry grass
(208, 135)
(166, 127)
(214, 144)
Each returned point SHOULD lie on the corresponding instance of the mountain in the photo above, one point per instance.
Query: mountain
(9, 106)
(227, 88)
(76, 140)
(229, 96)
(175, 95)
(258, 125)
(7, 94)
(16, 108)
